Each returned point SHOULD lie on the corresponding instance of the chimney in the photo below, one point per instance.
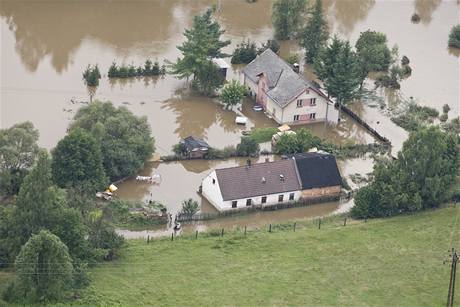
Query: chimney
(296, 67)
(263, 180)
(282, 177)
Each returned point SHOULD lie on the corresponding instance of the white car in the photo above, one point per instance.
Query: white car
(257, 108)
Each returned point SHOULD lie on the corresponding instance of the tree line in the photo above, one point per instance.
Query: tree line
(50, 227)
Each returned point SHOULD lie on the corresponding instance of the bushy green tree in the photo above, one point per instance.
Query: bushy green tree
(102, 236)
(44, 269)
(244, 53)
(125, 139)
(91, 75)
(232, 93)
(18, 153)
(287, 17)
(315, 34)
(189, 207)
(454, 37)
(426, 169)
(202, 44)
(77, 161)
(338, 67)
(300, 142)
(373, 53)
(270, 43)
(247, 147)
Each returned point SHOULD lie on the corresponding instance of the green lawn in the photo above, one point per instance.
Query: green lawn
(386, 262)
(392, 262)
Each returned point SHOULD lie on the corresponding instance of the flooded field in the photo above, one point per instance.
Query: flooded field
(45, 45)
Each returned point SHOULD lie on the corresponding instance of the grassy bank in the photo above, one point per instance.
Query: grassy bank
(384, 262)
(387, 262)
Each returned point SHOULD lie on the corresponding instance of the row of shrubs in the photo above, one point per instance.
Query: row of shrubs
(149, 69)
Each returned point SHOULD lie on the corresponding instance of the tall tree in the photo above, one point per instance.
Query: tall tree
(373, 53)
(422, 177)
(77, 161)
(201, 46)
(232, 93)
(315, 34)
(18, 153)
(338, 67)
(44, 269)
(287, 16)
(125, 139)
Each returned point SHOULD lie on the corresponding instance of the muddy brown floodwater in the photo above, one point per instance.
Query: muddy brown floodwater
(45, 45)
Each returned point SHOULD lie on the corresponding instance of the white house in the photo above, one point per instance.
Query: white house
(271, 183)
(286, 95)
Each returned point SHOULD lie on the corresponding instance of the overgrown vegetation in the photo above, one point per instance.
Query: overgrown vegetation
(247, 147)
(412, 117)
(454, 37)
(421, 178)
(396, 73)
(91, 75)
(189, 207)
(302, 141)
(149, 69)
(135, 214)
(262, 135)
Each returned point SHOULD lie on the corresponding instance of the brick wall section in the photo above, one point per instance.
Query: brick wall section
(318, 192)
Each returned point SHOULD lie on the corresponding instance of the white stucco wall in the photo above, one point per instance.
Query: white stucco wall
(212, 193)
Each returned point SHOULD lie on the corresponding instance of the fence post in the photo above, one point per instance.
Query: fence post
(148, 239)
(319, 224)
(222, 232)
(270, 228)
(345, 222)
(196, 234)
(365, 219)
(294, 226)
(244, 230)
(172, 236)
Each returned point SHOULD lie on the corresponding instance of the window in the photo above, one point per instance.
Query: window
(213, 181)
(296, 117)
(291, 196)
(299, 103)
(280, 198)
(312, 115)
(313, 101)
(234, 203)
(248, 202)
(264, 199)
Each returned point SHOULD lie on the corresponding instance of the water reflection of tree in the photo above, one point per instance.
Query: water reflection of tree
(149, 81)
(425, 9)
(346, 13)
(56, 29)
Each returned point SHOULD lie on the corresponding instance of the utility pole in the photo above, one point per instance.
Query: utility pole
(453, 272)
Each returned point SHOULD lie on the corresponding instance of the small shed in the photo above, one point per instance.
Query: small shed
(194, 147)
(223, 66)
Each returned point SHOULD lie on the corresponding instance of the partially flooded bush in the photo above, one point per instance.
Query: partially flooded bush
(415, 116)
(454, 37)
(244, 53)
(149, 69)
(91, 75)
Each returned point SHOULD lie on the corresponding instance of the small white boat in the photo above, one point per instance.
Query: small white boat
(241, 120)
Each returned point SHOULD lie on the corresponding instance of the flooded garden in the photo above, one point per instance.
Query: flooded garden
(41, 80)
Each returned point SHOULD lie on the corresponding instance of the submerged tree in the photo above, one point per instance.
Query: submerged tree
(314, 35)
(91, 75)
(201, 46)
(454, 37)
(189, 207)
(373, 53)
(287, 17)
(338, 67)
(247, 147)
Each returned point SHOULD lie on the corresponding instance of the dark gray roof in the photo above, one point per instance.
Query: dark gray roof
(194, 142)
(317, 170)
(246, 182)
(284, 84)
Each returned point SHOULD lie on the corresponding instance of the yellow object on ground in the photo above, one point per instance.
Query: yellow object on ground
(112, 188)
